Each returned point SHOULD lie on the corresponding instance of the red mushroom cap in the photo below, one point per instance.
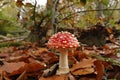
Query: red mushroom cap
(63, 39)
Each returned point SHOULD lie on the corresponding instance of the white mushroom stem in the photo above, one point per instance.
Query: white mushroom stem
(63, 62)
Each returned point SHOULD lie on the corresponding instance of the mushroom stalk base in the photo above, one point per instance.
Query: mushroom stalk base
(63, 63)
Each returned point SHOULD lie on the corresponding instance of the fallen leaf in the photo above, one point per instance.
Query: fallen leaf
(34, 65)
(79, 55)
(40, 50)
(100, 69)
(4, 76)
(109, 30)
(55, 77)
(18, 58)
(110, 46)
(107, 52)
(48, 57)
(83, 71)
(84, 67)
(4, 55)
(13, 68)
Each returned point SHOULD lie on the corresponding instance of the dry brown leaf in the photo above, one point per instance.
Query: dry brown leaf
(4, 76)
(18, 58)
(34, 65)
(7, 50)
(85, 63)
(107, 52)
(100, 69)
(48, 57)
(13, 68)
(110, 46)
(84, 67)
(40, 50)
(4, 55)
(83, 71)
(55, 77)
(79, 55)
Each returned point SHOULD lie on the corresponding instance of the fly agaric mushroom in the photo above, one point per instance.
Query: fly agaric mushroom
(63, 42)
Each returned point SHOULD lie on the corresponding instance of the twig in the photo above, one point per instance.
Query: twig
(115, 42)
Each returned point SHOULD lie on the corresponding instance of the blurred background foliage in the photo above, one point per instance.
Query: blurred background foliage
(8, 18)
(18, 18)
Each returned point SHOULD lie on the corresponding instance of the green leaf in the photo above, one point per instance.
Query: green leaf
(105, 2)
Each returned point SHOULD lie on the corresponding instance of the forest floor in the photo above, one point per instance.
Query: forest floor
(98, 58)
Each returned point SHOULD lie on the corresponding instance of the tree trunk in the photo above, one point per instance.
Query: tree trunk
(38, 29)
(52, 6)
(99, 6)
(34, 34)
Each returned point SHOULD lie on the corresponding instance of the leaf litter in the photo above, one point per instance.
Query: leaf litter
(30, 62)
